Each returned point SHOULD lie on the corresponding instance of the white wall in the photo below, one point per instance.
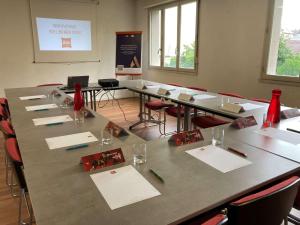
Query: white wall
(231, 48)
(16, 45)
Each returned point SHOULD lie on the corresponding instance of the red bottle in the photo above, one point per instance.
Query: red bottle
(78, 98)
(273, 115)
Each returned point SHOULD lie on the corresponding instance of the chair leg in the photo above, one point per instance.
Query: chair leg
(285, 221)
(29, 209)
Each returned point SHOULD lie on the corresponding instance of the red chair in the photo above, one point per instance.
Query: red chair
(3, 113)
(158, 106)
(263, 100)
(231, 94)
(7, 129)
(207, 121)
(268, 207)
(4, 104)
(8, 132)
(50, 84)
(12, 150)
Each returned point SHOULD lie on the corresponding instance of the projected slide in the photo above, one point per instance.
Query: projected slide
(64, 35)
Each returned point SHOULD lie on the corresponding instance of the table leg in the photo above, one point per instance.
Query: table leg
(94, 100)
(91, 100)
(187, 118)
(178, 118)
(140, 113)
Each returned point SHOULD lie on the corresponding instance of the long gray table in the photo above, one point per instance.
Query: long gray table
(61, 193)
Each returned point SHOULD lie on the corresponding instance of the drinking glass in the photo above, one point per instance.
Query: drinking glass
(107, 136)
(79, 116)
(217, 136)
(139, 153)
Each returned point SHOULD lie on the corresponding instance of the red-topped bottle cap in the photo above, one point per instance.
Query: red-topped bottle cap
(276, 91)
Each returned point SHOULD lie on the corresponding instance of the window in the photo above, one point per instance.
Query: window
(173, 36)
(284, 42)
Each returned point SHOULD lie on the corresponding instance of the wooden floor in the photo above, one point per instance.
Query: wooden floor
(9, 205)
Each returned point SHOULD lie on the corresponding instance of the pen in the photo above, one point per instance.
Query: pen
(77, 147)
(296, 131)
(38, 110)
(35, 98)
(237, 152)
(53, 124)
(155, 174)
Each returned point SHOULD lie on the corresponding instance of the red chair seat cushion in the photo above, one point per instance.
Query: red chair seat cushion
(215, 220)
(266, 192)
(156, 105)
(3, 113)
(172, 111)
(208, 121)
(13, 149)
(7, 128)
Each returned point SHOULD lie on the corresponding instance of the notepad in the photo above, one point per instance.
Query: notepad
(218, 158)
(250, 106)
(40, 107)
(283, 135)
(203, 97)
(70, 140)
(123, 186)
(32, 97)
(51, 120)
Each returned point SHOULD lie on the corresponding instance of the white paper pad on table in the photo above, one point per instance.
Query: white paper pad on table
(250, 106)
(283, 135)
(218, 158)
(123, 186)
(203, 97)
(51, 120)
(70, 140)
(40, 107)
(33, 97)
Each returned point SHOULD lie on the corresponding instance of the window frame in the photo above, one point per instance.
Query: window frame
(162, 7)
(265, 76)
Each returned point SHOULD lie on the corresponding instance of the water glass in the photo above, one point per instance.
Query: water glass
(266, 122)
(139, 153)
(79, 116)
(107, 136)
(218, 136)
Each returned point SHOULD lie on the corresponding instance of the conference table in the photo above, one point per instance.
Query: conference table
(62, 193)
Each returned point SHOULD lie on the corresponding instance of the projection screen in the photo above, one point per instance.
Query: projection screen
(64, 31)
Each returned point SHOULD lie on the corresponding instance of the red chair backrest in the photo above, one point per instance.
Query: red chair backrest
(231, 94)
(7, 128)
(51, 84)
(3, 113)
(12, 149)
(269, 206)
(197, 88)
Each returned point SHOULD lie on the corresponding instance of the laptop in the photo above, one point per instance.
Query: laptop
(82, 80)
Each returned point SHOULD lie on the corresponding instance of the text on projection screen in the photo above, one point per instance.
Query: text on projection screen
(64, 34)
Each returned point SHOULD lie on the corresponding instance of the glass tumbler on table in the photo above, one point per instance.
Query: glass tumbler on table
(139, 153)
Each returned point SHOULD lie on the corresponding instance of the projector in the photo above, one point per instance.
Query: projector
(108, 82)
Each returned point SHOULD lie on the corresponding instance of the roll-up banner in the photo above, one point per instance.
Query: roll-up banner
(128, 53)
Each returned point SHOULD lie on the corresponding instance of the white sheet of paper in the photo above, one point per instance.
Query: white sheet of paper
(32, 97)
(218, 158)
(283, 135)
(70, 140)
(51, 120)
(203, 97)
(41, 107)
(123, 186)
(250, 106)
